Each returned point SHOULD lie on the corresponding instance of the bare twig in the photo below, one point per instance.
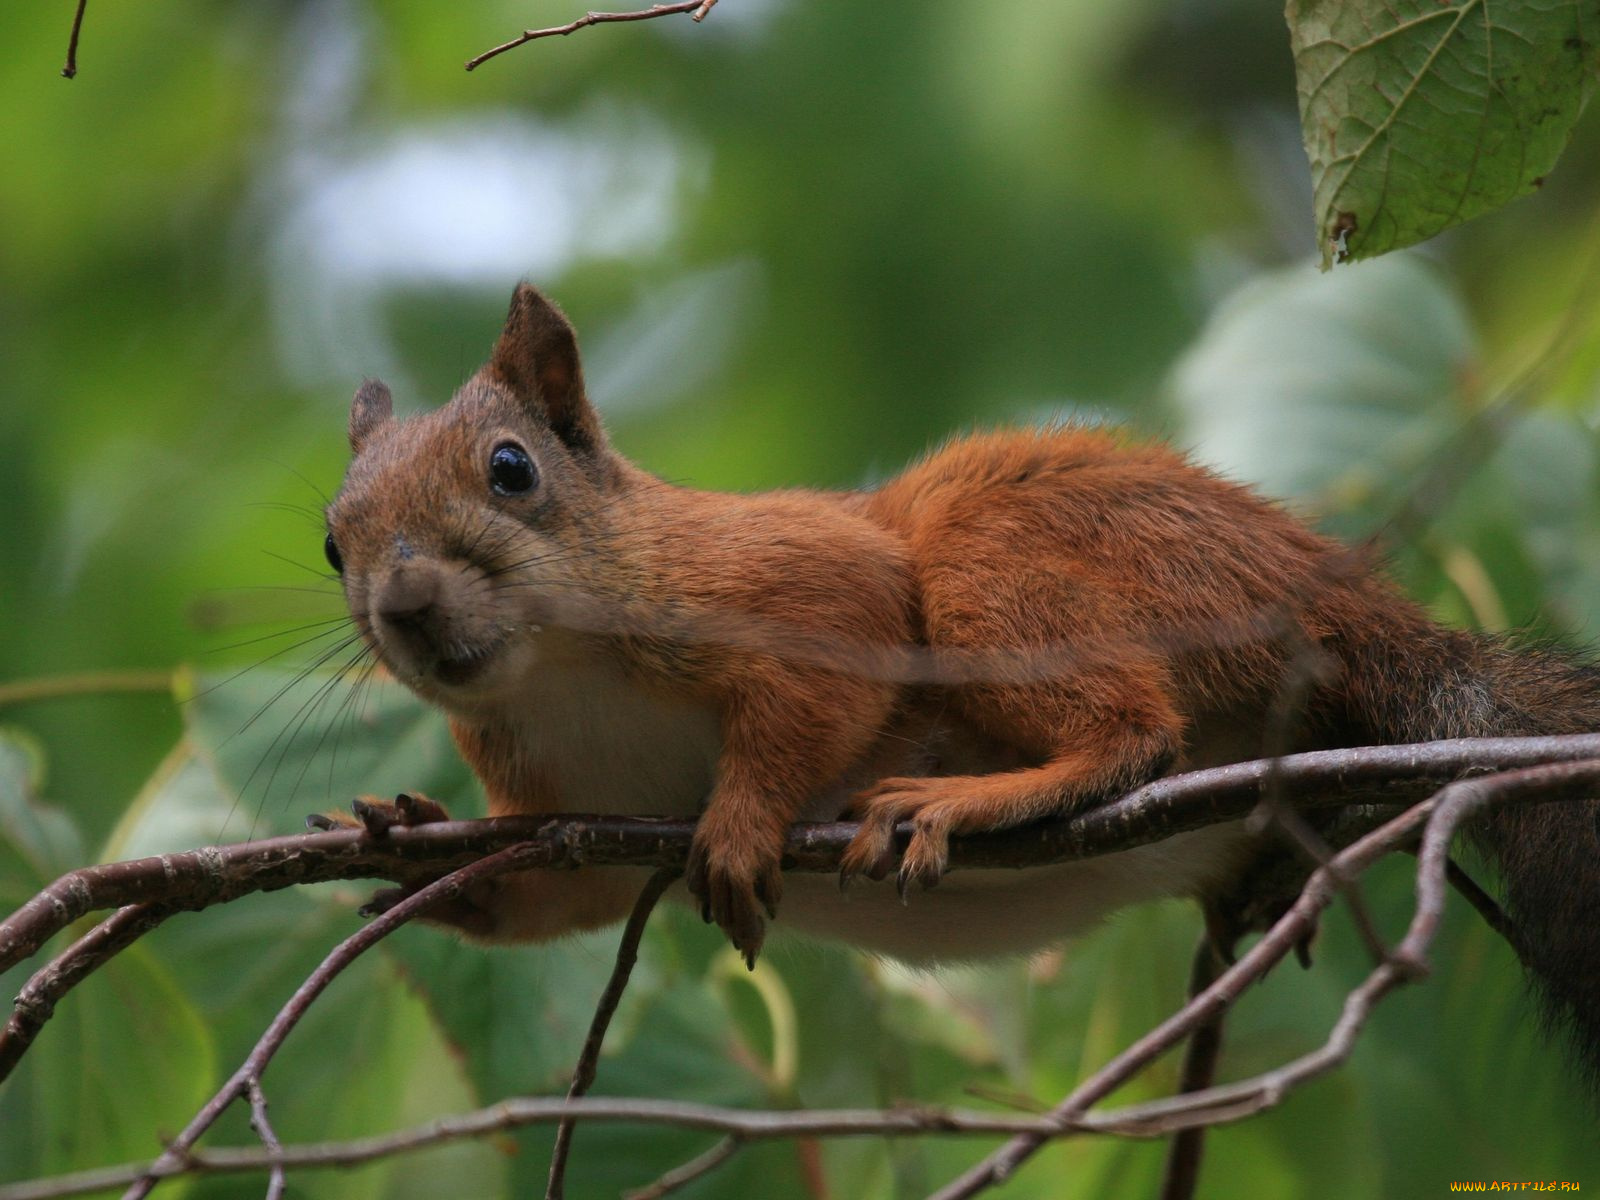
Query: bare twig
(70, 71)
(682, 1176)
(178, 1151)
(1493, 915)
(277, 1180)
(1199, 1071)
(36, 1002)
(698, 8)
(520, 1112)
(1144, 815)
(589, 1057)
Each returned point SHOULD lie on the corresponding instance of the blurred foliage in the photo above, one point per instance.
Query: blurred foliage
(801, 242)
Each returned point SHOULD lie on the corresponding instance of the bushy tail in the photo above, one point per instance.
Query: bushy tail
(1423, 684)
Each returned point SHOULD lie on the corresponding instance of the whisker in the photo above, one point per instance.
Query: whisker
(341, 619)
(300, 566)
(279, 653)
(286, 736)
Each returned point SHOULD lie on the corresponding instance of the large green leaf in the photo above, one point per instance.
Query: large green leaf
(284, 743)
(1331, 390)
(1419, 115)
(126, 1058)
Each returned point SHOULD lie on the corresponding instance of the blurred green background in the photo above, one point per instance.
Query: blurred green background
(801, 242)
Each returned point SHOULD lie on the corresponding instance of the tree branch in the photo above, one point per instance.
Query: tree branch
(36, 1002)
(217, 874)
(697, 7)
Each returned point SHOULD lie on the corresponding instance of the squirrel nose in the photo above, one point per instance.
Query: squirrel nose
(408, 599)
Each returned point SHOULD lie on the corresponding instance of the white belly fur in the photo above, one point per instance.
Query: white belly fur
(612, 747)
(974, 915)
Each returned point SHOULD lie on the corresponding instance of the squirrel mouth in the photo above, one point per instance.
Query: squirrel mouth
(459, 669)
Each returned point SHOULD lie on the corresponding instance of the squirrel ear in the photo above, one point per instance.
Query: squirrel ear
(537, 358)
(372, 407)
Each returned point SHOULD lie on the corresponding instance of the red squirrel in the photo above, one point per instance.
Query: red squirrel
(1021, 625)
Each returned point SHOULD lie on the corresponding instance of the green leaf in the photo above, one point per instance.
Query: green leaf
(1333, 389)
(37, 842)
(125, 1059)
(1418, 115)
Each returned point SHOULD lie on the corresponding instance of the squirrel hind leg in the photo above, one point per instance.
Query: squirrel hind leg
(1102, 764)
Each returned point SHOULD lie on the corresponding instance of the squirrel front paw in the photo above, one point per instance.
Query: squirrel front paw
(377, 817)
(734, 881)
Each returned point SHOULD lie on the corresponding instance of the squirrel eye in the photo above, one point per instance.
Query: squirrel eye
(331, 549)
(511, 471)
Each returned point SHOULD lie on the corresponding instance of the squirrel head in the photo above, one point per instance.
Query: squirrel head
(462, 533)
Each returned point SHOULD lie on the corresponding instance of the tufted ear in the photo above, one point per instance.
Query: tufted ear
(537, 358)
(373, 406)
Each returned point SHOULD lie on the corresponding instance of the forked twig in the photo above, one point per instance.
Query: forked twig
(605, 1009)
(246, 1079)
(278, 1179)
(1143, 816)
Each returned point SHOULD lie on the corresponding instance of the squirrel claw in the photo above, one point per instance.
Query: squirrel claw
(321, 823)
(376, 819)
(381, 902)
(1302, 951)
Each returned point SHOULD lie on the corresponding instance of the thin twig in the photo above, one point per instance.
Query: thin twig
(589, 1057)
(179, 1150)
(277, 1180)
(682, 1176)
(71, 69)
(36, 1002)
(1199, 1071)
(521, 1112)
(86, 683)
(1493, 915)
(699, 8)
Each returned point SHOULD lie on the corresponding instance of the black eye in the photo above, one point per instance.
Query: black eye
(331, 549)
(511, 471)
